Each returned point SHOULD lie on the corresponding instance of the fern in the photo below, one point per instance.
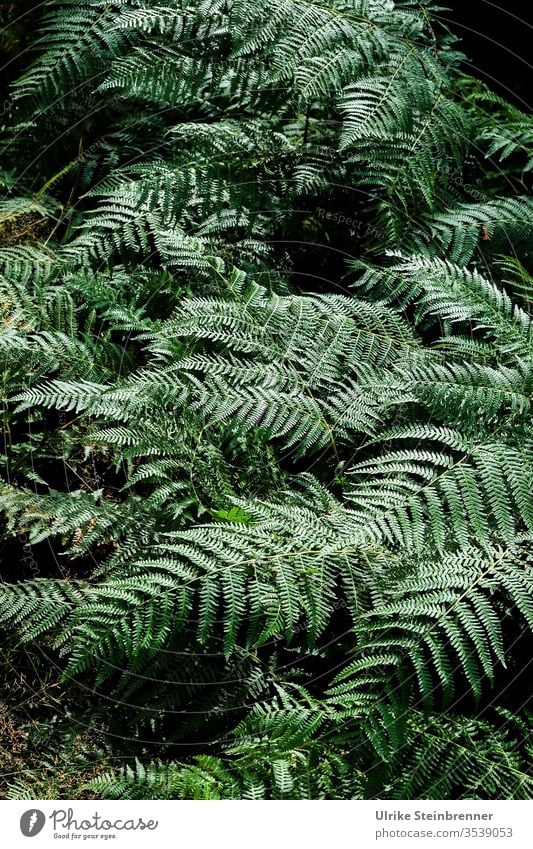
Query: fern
(265, 328)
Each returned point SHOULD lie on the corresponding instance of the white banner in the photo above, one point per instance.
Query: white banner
(268, 825)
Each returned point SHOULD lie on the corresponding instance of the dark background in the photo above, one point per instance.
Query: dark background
(497, 38)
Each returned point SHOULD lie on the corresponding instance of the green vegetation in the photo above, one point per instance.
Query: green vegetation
(266, 407)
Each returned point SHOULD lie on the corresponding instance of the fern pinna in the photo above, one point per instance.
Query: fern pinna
(267, 488)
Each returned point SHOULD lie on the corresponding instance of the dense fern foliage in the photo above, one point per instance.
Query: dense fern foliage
(267, 361)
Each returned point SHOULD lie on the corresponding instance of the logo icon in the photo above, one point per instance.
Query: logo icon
(32, 822)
